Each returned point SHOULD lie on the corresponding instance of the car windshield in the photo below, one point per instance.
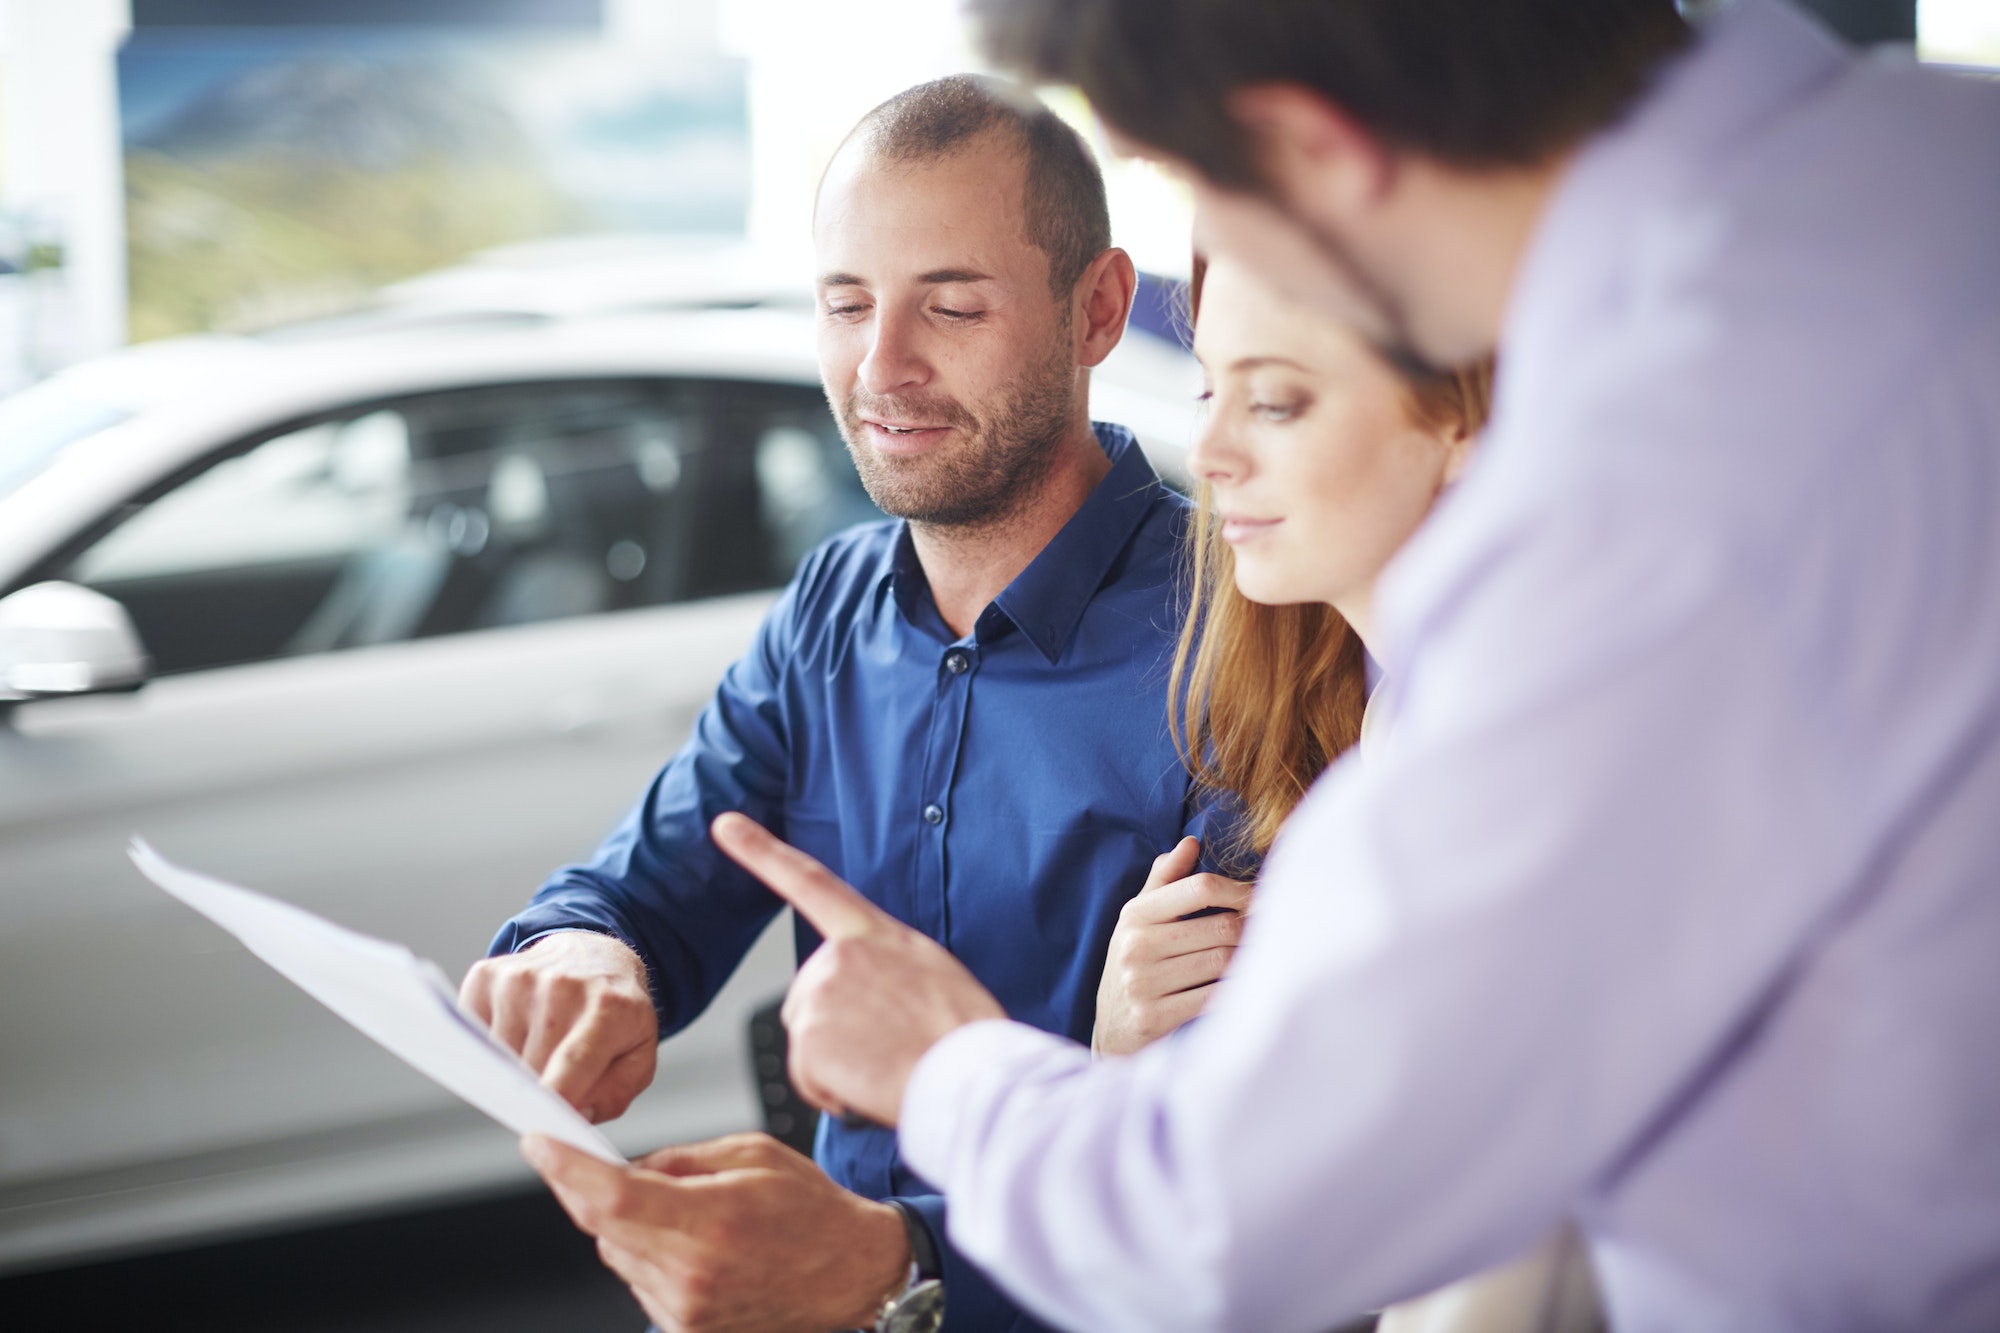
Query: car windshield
(36, 423)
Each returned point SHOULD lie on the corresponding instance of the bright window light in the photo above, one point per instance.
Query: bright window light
(1959, 32)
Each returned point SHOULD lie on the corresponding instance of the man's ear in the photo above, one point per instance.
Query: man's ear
(1458, 442)
(1103, 298)
(1310, 148)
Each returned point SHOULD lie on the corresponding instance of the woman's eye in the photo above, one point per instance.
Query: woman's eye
(1276, 411)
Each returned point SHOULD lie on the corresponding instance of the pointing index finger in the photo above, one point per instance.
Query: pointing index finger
(832, 907)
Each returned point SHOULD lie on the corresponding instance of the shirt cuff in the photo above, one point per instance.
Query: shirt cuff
(949, 1088)
(525, 940)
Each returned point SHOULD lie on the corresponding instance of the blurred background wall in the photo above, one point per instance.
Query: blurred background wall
(170, 166)
(62, 234)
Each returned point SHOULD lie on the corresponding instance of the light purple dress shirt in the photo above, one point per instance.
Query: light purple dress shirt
(1672, 904)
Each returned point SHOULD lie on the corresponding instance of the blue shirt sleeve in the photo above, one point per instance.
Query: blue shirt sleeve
(1216, 817)
(658, 882)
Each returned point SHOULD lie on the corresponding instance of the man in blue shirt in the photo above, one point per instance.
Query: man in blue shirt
(962, 712)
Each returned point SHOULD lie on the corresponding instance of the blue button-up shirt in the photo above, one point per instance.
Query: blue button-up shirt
(1004, 792)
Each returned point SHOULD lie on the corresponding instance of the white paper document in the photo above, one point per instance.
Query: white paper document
(402, 1001)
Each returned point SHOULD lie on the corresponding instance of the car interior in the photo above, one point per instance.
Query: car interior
(477, 508)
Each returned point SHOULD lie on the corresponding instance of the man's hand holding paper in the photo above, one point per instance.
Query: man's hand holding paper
(729, 1234)
(575, 1007)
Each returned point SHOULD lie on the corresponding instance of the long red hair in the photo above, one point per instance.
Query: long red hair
(1265, 697)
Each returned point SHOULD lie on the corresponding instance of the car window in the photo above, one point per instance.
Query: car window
(777, 481)
(430, 515)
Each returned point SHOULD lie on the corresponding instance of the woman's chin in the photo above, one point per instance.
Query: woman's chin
(1269, 587)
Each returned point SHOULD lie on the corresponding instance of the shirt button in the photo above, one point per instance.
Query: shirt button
(956, 662)
(934, 814)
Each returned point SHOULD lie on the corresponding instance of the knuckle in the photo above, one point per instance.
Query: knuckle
(626, 1200)
(727, 1232)
(697, 1295)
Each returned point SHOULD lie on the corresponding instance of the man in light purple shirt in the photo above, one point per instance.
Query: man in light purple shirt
(1671, 908)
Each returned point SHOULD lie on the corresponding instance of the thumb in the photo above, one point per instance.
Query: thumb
(832, 907)
(1176, 864)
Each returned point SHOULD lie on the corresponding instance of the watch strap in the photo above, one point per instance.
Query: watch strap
(923, 1245)
(919, 1306)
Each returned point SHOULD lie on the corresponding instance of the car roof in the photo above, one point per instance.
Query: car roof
(548, 312)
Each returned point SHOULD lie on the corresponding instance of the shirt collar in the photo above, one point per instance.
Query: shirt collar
(1047, 599)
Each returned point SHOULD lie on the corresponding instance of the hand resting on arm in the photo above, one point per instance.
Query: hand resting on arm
(1162, 963)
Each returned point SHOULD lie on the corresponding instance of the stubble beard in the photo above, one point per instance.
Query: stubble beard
(993, 469)
(1392, 340)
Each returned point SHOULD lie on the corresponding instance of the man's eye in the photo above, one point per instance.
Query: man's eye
(845, 309)
(956, 314)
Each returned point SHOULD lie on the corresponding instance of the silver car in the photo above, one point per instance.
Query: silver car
(423, 598)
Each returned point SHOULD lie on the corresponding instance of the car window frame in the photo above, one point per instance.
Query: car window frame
(701, 391)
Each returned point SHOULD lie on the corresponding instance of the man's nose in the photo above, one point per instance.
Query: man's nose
(893, 362)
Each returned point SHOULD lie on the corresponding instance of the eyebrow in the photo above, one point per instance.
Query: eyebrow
(935, 278)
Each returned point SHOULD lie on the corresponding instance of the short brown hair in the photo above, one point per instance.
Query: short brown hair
(1068, 218)
(1477, 83)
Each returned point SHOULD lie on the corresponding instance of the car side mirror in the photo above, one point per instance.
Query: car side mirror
(61, 639)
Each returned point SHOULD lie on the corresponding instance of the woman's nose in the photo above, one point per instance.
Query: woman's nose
(1214, 456)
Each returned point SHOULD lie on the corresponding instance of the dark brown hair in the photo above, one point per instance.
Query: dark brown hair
(1477, 83)
(1068, 218)
(1265, 697)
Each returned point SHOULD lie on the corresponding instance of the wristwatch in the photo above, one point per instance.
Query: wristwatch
(919, 1306)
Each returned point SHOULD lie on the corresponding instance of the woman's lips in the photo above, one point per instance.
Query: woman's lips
(1237, 531)
(898, 438)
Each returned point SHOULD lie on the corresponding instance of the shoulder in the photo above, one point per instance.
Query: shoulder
(1159, 543)
(853, 556)
(1164, 513)
(836, 579)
